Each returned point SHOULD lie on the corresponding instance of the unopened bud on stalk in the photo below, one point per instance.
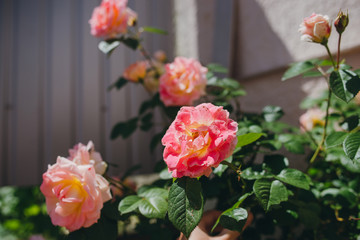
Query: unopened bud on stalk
(341, 22)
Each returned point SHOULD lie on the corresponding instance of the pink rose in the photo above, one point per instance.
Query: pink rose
(82, 155)
(315, 28)
(312, 118)
(111, 18)
(136, 71)
(74, 194)
(183, 82)
(198, 139)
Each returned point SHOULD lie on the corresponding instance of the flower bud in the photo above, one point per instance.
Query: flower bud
(341, 22)
(315, 28)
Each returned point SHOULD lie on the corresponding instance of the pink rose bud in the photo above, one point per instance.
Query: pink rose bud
(341, 22)
(136, 72)
(74, 194)
(151, 83)
(183, 82)
(160, 56)
(37, 237)
(315, 28)
(312, 118)
(111, 18)
(199, 139)
(82, 155)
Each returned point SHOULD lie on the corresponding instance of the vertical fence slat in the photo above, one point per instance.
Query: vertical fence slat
(61, 86)
(46, 63)
(2, 86)
(27, 94)
(90, 87)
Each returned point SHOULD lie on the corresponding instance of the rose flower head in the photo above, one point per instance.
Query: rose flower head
(312, 118)
(315, 28)
(74, 194)
(111, 18)
(198, 139)
(136, 72)
(82, 155)
(183, 82)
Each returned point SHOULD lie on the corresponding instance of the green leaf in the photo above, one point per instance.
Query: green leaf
(357, 71)
(108, 46)
(154, 30)
(352, 166)
(236, 205)
(271, 144)
(214, 67)
(248, 138)
(156, 139)
(309, 217)
(118, 84)
(147, 118)
(151, 202)
(146, 121)
(345, 84)
(234, 219)
(335, 139)
(153, 207)
(294, 177)
(132, 43)
(295, 147)
(154, 192)
(186, 204)
(270, 192)
(222, 167)
(251, 174)
(351, 145)
(145, 106)
(350, 196)
(255, 129)
(124, 129)
(237, 93)
(312, 74)
(165, 174)
(129, 204)
(350, 123)
(297, 69)
(278, 193)
(272, 113)
(275, 163)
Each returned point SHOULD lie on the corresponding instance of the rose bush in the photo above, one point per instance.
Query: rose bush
(241, 165)
(198, 140)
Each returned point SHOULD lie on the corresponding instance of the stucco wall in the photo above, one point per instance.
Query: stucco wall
(269, 36)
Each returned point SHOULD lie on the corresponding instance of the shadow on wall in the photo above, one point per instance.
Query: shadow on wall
(256, 47)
